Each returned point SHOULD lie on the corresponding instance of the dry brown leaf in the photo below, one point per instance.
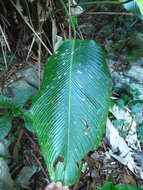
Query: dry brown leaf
(128, 179)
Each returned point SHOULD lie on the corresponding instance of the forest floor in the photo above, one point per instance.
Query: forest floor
(121, 37)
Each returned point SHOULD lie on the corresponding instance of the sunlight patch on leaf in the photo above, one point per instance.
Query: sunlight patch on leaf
(140, 5)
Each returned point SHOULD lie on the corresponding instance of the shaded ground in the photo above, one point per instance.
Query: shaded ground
(121, 37)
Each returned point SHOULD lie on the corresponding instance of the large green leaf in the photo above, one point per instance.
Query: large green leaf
(140, 5)
(133, 7)
(70, 111)
(128, 187)
(110, 186)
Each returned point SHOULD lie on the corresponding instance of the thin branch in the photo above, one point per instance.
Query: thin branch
(109, 13)
(69, 14)
(4, 57)
(6, 42)
(31, 28)
(101, 3)
(30, 49)
(39, 63)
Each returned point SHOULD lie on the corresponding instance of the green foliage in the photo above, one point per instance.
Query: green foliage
(6, 120)
(5, 102)
(12, 111)
(71, 107)
(25, 114)
(134, 7)
(140, 5)
(135, 46)
(110, 186)
(73, 20)
(5, 125)
(128, 96)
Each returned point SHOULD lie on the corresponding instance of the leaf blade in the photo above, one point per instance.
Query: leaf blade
(140, 5)
(5, 126)
(134, 7)
(76, 90)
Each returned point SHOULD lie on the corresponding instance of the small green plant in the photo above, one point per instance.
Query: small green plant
(12, 111)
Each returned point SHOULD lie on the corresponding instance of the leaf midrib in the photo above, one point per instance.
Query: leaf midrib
(69, 98)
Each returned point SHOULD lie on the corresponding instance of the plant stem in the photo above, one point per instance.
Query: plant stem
(109, 13)
(67, 13)
(101, 2)
(92, 3)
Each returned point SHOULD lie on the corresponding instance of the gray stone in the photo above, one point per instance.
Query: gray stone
(30, 75)
(20, 91)
(138, 87)
(24, 87)
(25, 174)
(132, 78)
(136, 72)
(6, 181)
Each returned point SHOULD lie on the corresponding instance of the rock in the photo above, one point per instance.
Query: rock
(5, 178)
(132, 78)
(20, 91)
(25, 175)
(24, 87)
(30, 75)
(138, 62)
(3, 148)
(138, 158)
(6, 181)
(136, 72)
(138, 87)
